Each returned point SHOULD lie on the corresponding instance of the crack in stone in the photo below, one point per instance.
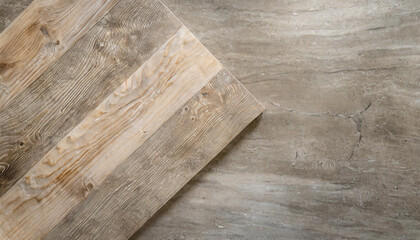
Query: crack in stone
(356, 117)
(358, 121)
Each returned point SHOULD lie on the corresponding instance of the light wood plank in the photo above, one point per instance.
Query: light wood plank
(106, 137)
(161, 166)
(92, 69)
(40, 35)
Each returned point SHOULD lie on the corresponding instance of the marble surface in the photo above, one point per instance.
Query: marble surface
(336, 155)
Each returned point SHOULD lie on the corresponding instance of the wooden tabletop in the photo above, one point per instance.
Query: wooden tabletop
(107, 109)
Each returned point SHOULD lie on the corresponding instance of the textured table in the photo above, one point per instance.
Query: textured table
(107, 109)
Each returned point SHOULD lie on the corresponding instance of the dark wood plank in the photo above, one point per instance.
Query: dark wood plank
(93, 68)
(163, 164)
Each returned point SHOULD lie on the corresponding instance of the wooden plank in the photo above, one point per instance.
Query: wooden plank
(107, 136)
(39, 36)
(92, 69)
(161, 166)
(79, 122)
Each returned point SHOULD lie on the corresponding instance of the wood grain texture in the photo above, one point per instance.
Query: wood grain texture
(300, 171)
(76, 136)
(161, 166)
(84, 76)
(107, 136)
(40, 35)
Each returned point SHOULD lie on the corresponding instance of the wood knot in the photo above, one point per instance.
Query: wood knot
(89, 187)
(3, 167)
(5, 65)
(204, 94)
(99, 46)
(21, 144)
(45, 31)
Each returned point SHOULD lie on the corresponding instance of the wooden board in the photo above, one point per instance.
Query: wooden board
(161, 166)
(83, 77)
(138, 89)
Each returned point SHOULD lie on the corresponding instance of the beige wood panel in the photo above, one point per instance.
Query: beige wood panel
(164, 163)
(40, 35)
(71, 139)
(112, 50)
(108, 135)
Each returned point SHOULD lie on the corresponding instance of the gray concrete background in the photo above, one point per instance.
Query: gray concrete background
(336, 155)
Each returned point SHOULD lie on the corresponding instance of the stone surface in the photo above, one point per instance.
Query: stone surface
(336, 155)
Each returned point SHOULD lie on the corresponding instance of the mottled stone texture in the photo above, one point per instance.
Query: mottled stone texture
(336, 155)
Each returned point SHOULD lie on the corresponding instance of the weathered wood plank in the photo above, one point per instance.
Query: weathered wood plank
(42, 33)
(163, 164)
(106, 137)
(83, 77)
